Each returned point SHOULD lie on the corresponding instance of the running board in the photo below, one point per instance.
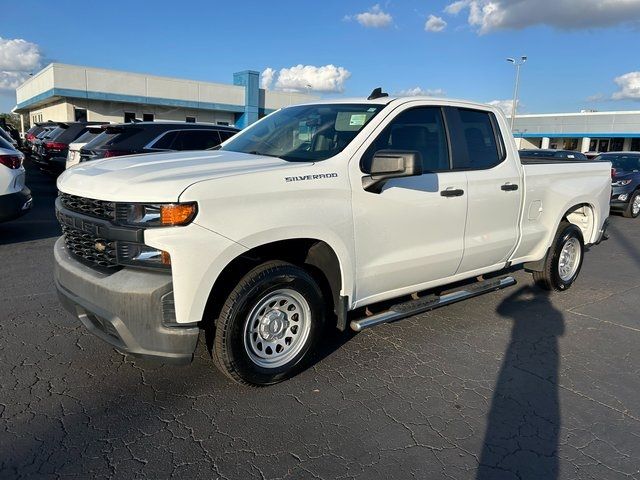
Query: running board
(431, 302)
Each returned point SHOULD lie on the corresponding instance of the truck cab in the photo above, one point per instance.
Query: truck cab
(308, 215)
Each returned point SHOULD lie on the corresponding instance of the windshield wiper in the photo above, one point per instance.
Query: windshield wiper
(255, 152)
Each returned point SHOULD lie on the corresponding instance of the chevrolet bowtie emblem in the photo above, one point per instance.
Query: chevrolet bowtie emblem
(99, 246)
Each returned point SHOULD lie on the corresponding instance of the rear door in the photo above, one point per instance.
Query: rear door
(494, 187)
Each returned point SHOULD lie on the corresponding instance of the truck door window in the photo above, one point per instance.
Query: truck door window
(479, 138)
(420, 129)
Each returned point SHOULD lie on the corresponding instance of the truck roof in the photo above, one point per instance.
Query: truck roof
(402, 99)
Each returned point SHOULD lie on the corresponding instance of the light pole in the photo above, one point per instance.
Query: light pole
(518, 64)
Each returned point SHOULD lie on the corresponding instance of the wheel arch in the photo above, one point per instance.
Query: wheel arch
(316, 256)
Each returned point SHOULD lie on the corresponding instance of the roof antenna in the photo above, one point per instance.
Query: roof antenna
(377, 93)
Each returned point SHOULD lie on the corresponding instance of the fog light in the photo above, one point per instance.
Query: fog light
(623, 197)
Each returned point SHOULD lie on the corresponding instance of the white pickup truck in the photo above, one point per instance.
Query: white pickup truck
(308, 215)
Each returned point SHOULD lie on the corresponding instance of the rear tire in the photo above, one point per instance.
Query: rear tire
(270, 325)
(633, 209)
(563, 261)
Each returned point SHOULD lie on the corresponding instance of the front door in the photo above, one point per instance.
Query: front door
(408, 234)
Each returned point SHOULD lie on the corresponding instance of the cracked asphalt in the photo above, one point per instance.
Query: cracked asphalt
(517, 384)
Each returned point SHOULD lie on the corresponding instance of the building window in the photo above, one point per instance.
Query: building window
(191, 120)
(635, 145)
(129, 117)
(223, 123)
(148, 117)
(80, 114)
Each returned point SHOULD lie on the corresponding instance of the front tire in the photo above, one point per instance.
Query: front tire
(270, 325)
(633, 209)
(563, 261)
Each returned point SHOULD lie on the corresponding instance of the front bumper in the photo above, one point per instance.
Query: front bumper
(130, 309)
(14, 205)
(618, 204)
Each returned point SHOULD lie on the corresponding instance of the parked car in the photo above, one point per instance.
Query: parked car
(6, 136)
(51, 153)
(315, 211)
(73, 157)
(31, 135)
(625, 182)
(148, 137)
(550, 153)
(15, 197)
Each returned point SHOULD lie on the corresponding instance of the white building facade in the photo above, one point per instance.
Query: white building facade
(66, 93)
(585, 131)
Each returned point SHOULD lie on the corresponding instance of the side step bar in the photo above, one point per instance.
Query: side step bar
(431, 302)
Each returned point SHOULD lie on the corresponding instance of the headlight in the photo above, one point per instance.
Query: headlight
(156, 215)
(139, 255)
(620, 183)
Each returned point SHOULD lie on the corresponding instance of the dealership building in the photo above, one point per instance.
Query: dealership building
(67, 93)
(587, 131)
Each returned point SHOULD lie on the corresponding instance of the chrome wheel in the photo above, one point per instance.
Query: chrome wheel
(569, 260)
(277, 328)
(635, 207)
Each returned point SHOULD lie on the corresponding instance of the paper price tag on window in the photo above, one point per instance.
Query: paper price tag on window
(358, 119)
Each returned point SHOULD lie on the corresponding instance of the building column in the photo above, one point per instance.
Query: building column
(584, 147)
(518, 142)
(22, 125)
(627, 145)
(250, 80)
(545, 142)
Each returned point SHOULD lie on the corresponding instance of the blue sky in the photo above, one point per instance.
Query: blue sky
(568, 68)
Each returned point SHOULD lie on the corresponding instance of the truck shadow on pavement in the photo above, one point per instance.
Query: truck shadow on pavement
(41, 221)
(521, 439)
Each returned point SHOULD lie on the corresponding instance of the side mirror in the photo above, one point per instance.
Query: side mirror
(388, 164)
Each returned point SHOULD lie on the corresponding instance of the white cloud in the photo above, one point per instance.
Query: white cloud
(266, 78)
(421, 92)
(12, 80)
(18, 58)
(455, 7)
(505, 105)
(435, 24)
(490, 15)
(18, 55)
(302, 78)
(629, 85)
(374, 18)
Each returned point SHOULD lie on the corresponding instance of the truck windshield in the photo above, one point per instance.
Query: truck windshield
(305, 133)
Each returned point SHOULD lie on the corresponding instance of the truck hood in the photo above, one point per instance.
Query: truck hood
(159, 177)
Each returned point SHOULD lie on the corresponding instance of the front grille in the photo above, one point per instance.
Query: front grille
(90, 248)
(89, 206)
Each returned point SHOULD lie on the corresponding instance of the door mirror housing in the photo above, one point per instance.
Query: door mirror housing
(388, 164)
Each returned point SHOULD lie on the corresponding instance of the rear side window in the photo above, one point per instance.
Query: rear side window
(480, 139)
(165, 142)
(196, 140)
(225, 135)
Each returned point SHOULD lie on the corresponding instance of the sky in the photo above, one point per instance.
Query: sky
(582, 54)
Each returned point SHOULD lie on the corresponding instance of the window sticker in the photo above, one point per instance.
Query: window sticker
(358, 119)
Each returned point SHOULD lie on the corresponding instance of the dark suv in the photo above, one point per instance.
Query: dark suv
(50, 154)
(625, 182)
(149, 137)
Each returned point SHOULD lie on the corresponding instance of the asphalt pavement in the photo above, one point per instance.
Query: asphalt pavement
(516, 384)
